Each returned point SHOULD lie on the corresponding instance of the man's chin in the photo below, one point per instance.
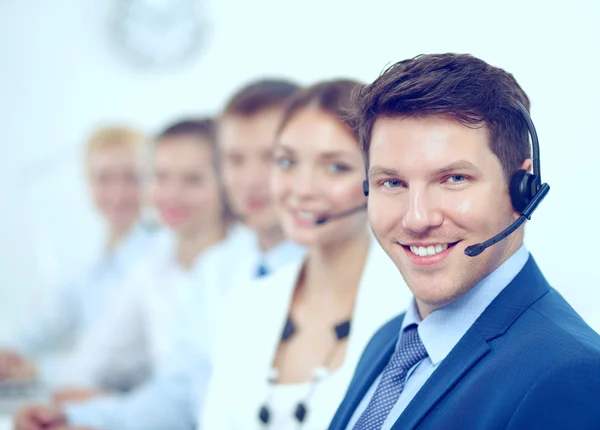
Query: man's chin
(435, 289)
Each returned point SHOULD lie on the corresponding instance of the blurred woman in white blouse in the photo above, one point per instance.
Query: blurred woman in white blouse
(290, 342)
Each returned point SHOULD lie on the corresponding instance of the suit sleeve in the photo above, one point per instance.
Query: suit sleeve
(566, 397)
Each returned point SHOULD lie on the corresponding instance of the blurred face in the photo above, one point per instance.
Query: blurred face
(436, 188)
(114, 178)
(246, 145)
(186, 188)
(318, 172)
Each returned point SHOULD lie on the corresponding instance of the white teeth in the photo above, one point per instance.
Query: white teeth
(306, 215)
(423, 251)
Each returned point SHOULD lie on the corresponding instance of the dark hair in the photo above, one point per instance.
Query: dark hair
(333, 97)
(259, 96)
(203, 128)
(460, 85)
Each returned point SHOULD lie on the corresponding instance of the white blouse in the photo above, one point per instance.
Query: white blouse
(284, 401)
(250, 333)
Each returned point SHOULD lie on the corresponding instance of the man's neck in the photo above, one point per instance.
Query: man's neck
(515, 243)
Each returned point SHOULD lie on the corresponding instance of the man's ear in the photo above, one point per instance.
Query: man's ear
(527, 165)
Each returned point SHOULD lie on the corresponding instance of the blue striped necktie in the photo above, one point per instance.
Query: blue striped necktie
(410, 351)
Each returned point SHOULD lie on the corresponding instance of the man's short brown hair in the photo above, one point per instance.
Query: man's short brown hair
(259, 96)
(459, 85)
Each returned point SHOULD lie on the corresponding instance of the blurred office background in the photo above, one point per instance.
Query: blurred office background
(68, 66)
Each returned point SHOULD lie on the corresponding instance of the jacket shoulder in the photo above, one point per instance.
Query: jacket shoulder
(565, 327)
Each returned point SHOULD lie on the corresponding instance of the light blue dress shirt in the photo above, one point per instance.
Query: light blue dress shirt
(442, 330)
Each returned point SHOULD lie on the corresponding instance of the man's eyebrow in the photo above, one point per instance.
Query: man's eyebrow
(452, 167)
(282, 147)
(382, 171)
(457, 165)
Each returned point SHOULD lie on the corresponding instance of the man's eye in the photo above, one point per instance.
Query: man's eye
(284, 162)
(456, 179)
(392, 183)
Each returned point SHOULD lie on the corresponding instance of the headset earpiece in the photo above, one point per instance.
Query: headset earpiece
(366, 187)
(526, 190)
(523, 186)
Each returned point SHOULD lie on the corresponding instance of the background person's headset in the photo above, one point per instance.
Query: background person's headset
(526, 190)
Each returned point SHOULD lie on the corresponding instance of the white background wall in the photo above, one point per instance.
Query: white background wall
(59, 78)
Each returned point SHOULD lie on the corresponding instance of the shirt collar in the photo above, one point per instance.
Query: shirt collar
(279, 255)
(442, 329)
(237, 236)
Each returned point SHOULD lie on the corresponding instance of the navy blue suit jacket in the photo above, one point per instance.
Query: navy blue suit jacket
(528, 362)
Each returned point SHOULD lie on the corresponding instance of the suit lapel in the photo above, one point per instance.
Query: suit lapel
(465, 355)
(375, 367)
(369, 368)
(525, 289)
(380, 278)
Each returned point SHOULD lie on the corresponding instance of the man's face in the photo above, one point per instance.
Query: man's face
(246, 146)
(435, 188)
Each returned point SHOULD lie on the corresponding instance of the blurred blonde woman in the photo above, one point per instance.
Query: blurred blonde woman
(114, 160)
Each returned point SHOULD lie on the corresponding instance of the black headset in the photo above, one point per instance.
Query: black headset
(524, 185)
(526, 189)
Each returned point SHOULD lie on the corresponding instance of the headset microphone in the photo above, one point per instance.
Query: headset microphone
(526, 191)
(475, 250)
(343, 214)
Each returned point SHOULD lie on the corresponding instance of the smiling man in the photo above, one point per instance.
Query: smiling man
(486, 343)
